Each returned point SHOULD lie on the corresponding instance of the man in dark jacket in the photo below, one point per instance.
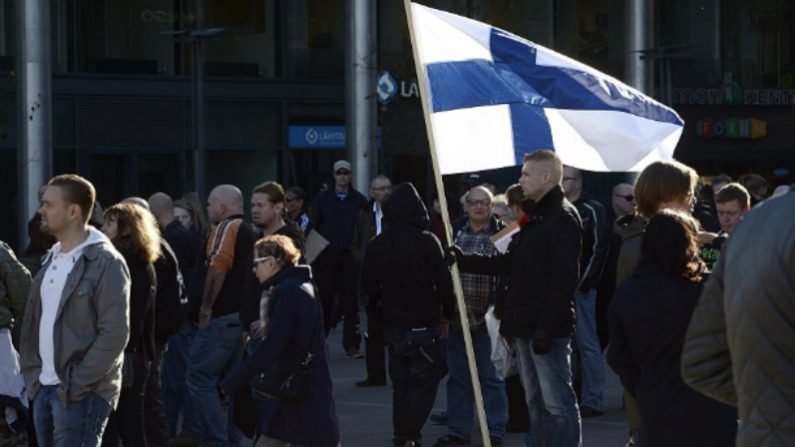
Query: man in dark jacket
(738, 349)
(404, 273)
(369, 224)
(333, 215)
(595, 244)
(538, 310)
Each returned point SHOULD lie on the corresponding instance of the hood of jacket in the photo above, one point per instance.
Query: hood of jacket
(404, 206)
(94, 237)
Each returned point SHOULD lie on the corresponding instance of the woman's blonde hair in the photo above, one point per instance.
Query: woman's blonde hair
(280, 247)
(137, 231)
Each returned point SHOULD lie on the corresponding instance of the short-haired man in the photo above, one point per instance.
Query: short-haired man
(333, 216)
(267, 215)
(538, 310)
(479, 291)
(216, 344)
(76, 324)
(733, 202)
(369, 224)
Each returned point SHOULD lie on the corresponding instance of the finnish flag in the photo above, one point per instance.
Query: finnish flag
(494, 96)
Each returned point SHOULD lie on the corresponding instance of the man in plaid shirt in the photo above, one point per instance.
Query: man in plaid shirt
(479, 290)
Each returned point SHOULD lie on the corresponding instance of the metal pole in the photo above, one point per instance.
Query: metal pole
(198, 105)
(360, 94)
(34, 107)
(639, 29)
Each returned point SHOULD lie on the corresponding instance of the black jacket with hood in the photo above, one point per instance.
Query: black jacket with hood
(543, 264)
(404, 268)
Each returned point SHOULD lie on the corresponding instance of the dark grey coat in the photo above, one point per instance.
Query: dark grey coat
(740, 346)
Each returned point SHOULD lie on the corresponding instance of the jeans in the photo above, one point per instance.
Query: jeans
(335, 272)
(460, 397)
(212, 351)
(551, 402)
(126, 422)
(416, 365)
(175, 392)
(588, 351)
(79, 423)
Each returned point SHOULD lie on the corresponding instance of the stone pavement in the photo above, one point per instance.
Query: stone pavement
(365, 414)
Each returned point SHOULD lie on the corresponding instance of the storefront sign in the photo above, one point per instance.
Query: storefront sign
(321, 137)
(701, 97)
(388, 88)
(748, 128)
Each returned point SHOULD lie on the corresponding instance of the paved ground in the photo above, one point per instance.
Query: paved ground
(365, 414)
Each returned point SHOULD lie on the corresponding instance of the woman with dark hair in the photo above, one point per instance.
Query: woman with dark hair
(648, 318)
(191, 203)
(135, 235)
(292, 318)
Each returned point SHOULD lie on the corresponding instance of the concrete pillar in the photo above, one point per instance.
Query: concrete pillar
(34, 107)
(360, 90)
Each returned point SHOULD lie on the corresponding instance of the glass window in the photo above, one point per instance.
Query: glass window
(243, 124)
(759, 43)
(690, 32)
(315, 39)
(246, 47)
(7, 41)
(127, 36)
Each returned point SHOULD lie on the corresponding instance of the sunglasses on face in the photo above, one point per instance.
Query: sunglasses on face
(341, 172)
(628, 197)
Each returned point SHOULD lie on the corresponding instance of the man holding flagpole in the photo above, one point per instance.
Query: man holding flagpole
(538, 310)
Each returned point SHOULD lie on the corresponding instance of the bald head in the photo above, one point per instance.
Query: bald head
(572, 183)
(623, 199)
(137, 201)
(224, 201)
(162, 207)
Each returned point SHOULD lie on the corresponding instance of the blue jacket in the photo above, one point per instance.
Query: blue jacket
(294, 314)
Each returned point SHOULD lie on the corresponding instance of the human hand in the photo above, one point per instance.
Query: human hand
(205, 315)
(257, 330)
(452, 254)
(542, 345)
(705, 237)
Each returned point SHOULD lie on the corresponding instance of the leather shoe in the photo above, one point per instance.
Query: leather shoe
(451, 440)
(588, 412)
(368, 382)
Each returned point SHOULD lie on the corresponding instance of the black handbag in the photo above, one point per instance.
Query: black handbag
(286, 379)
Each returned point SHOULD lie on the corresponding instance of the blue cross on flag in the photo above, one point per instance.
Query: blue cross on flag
(494, 96)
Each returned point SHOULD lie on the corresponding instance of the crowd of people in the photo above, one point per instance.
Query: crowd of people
(153, 323)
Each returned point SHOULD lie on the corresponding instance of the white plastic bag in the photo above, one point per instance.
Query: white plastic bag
(502, 356)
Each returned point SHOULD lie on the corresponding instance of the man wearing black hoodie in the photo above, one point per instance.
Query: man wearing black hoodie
(538, 310)
(404, 272)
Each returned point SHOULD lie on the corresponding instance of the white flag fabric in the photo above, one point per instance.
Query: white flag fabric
(494, 97)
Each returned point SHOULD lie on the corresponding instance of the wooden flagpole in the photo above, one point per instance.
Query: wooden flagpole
(459, 293)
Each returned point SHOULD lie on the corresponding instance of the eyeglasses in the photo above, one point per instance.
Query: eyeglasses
(484, 203)
(258, 261)
(628, 197)
(382, 188)
(342, 172)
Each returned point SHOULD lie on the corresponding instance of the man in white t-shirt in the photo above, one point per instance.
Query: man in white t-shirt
(77, 322)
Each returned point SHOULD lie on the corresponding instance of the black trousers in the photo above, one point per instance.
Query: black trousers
(416, 365)
(335, 272)
(154, 411)
(126, 422)
(374, 345)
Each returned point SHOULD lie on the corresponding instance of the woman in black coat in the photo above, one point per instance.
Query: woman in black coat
(133, 231)
(291, 322)
(648, 318)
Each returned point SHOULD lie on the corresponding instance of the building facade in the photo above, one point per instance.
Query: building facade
(274, 86)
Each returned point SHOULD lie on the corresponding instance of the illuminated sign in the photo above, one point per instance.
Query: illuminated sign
(746, 128)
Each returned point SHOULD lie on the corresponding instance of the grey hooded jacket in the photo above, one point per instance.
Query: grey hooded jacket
(91, 325)
(739, 347)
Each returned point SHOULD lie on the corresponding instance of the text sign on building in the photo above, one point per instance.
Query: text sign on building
(316, 137)
(321, 137)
